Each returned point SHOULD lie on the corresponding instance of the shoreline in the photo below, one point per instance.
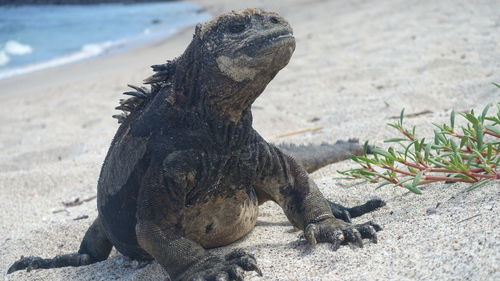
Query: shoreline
(347, 74)
(99, 49)
(122, 49)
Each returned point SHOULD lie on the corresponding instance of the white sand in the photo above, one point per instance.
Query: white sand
(357, 63)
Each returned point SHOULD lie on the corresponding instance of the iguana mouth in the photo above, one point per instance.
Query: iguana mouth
(255, 45)
(279, 36)
(284, 36)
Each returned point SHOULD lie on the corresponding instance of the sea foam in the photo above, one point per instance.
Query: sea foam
(15, 48)
(4, 58)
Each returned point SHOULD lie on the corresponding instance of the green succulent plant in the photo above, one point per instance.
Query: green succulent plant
(469, 154)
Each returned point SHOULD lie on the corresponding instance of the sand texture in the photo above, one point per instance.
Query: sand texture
(357, 63)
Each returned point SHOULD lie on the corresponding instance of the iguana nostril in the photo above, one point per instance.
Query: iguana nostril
(274, 20)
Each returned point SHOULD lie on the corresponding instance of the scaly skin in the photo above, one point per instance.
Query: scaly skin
(186, 171)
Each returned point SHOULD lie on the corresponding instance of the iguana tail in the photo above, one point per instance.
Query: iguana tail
(314, 157)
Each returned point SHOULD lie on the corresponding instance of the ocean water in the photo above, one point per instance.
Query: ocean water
(38, 37)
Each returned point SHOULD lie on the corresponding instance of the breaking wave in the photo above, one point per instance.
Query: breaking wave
(4, 58)
(13, 48)
(18, 49)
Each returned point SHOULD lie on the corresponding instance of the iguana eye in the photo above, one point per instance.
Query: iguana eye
(236, 28)
(274, 20)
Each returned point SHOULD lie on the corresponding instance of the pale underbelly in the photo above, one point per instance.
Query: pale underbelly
(221, 220)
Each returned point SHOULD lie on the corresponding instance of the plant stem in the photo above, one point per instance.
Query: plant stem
(486, 131)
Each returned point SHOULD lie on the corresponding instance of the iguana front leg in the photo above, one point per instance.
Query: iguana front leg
(185, 259)
(160, 225)
(288, 184)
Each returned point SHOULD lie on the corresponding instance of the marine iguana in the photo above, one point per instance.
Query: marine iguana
(186, 171)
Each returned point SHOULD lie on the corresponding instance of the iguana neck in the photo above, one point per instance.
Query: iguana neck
(200, 86)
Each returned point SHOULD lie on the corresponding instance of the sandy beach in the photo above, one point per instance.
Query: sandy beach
(356, 65)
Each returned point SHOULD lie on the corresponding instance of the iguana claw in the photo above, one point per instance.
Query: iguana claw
(232, 269)
(338, 232)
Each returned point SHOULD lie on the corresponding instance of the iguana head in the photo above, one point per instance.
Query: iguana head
(248, 43)
(236, 55)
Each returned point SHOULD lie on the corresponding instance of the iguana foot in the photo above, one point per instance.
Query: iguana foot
(232, 269)
(336, 232)
(30, 263)
(346, 214)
